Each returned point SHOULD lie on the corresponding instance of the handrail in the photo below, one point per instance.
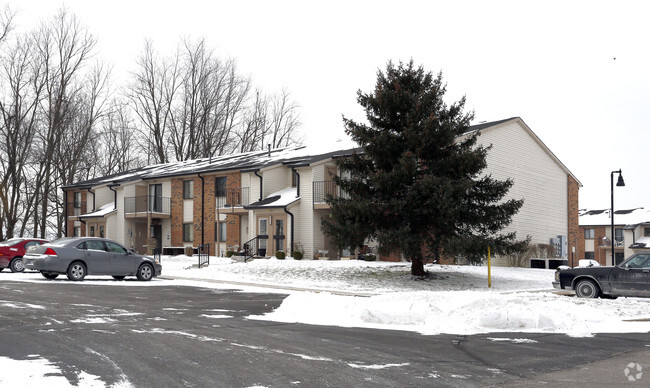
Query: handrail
(251, 248)
(203, 253)
(147, 204)
(233, 198)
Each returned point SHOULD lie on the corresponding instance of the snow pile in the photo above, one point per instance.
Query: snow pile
(457, 300)
(466, 312)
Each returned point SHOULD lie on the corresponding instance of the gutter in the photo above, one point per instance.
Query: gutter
(89, 189)
(292, 228)
(293, 169)
(114, 194)
(261, 182)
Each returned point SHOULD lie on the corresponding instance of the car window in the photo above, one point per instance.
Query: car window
(82, 246)
(639, 261)
(95, 245)
(31, 244)
(112, 247)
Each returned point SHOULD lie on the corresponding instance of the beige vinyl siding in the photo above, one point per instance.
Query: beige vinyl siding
(275, 179)
(538, 179)
(103, 196)
(304, 228)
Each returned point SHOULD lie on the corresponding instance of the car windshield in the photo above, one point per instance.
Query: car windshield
(10, 242)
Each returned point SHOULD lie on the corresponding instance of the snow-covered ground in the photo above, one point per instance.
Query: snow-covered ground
(456, 300)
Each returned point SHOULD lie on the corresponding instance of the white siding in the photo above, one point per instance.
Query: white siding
(538, 179)
(304, 222)
(275, 179)
(103, 196)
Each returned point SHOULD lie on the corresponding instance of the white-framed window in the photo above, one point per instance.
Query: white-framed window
(188, 235)
(222, 231)
(188, 189)
(589, 234)
(77, 203)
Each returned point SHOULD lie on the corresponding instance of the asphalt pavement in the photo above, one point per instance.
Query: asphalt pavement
(166, 335)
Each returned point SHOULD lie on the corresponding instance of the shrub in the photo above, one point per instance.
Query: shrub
(280, 255)
(370, 257)
(297, 255)
(189, 251)
(230, 253)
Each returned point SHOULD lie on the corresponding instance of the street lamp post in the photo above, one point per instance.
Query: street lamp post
(619, 183)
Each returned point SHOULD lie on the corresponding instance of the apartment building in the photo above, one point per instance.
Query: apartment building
(274, 200)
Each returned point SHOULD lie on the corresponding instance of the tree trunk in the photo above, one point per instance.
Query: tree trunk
(417, 266)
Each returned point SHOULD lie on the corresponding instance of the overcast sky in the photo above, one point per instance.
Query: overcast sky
(577, 72)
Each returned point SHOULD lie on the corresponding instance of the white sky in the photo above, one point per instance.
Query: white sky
(549, 62)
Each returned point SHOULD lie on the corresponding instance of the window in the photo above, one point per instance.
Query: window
(647, 232)
(618, 237)
(77, 203)
(188, 236)
(92, 231)
(220, 189)
(101, 231)
(76, 232)
(294, 179)
(155, 198)
(589, 234)
(221, 232)
(188, 189)
(77, 199)
(589, 255)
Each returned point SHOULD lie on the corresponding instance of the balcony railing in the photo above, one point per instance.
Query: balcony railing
(323, 189)
(233, 198)
(607, 243)
(147, 204)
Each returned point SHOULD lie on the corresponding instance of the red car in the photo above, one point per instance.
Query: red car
(13, 250)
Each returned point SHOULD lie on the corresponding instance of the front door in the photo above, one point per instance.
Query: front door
(271, 233)
(262, 235)
(156, 233)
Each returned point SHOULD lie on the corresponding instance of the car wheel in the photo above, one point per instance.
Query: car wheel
(76, 271)
(49, 275)
(118, 277)
(587, 289)
(145, 272)
(17, 265)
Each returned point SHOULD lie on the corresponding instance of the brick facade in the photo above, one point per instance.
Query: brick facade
(600, 253)
(233, 230)
(176, 203)
(70, 211)
(205, 207)
(573, 222)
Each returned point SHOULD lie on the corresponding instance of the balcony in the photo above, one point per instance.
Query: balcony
(323, 189)
(606, 243)
(234, 200)
(147, 206)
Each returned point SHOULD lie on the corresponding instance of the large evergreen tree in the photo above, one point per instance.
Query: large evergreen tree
(418, 186)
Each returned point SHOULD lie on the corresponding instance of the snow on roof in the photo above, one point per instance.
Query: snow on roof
(101, 212)
(255, 160)
(599, 217)
(282, 198)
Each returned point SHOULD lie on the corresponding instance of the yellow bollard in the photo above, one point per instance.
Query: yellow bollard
(489, 270)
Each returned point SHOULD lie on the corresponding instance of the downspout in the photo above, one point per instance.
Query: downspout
(202, 208)
(114, 194)
(89, 189)
(290, 215)
(261, 182)
(293, 169)
(65, 213)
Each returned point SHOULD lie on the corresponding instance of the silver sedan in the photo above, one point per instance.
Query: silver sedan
(77, 257)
